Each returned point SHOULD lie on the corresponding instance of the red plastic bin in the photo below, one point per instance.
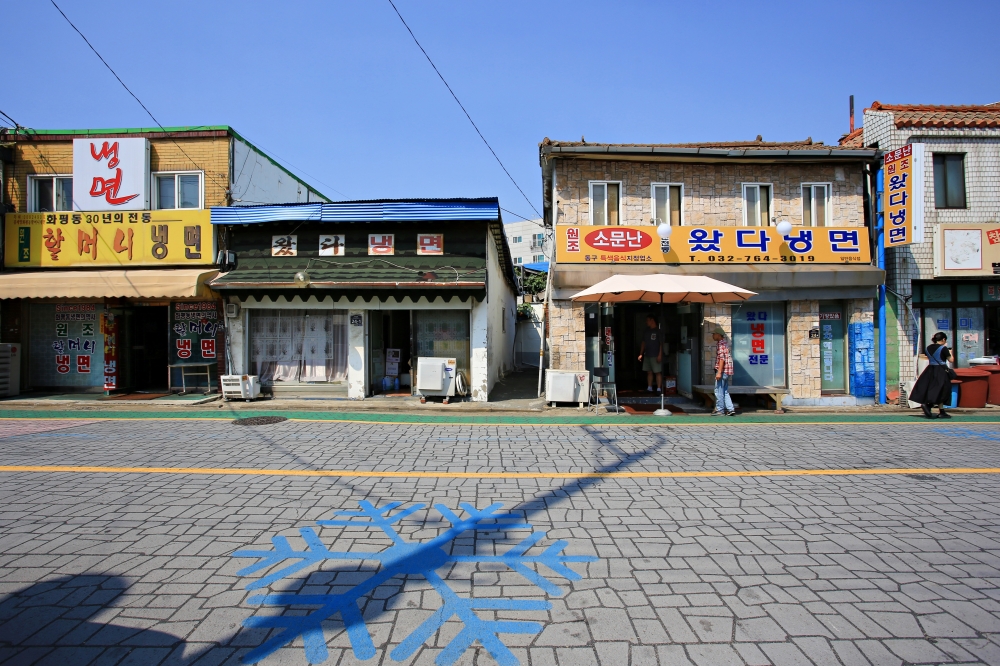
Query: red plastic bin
(975, 387)
(993, 397)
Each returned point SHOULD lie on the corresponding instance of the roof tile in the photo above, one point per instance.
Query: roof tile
(942, 116)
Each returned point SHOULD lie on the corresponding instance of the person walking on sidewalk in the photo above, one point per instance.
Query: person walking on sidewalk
(723, 374)
(933, 386)
(651, 354)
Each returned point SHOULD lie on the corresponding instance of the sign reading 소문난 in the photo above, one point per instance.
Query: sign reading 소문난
(580, 244)
(95, 239)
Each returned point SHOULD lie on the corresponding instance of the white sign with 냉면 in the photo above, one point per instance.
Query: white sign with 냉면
(110, 174)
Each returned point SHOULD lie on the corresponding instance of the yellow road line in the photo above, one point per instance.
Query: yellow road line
(84, 469)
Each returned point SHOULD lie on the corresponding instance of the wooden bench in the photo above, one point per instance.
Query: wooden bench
(707, 393)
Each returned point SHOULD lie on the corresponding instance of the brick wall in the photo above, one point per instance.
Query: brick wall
(804, 377)
(568, 349)
(210, 155)
(713, 193)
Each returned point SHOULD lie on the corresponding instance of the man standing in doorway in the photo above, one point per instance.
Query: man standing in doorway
(651, 354)
(723, 374)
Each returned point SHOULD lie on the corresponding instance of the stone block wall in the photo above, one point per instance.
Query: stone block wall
(567, 338)
(803, 362)
(861, 347)
(715, 314)
(713, 193)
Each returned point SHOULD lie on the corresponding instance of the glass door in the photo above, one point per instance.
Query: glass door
(759, 345)
(831, 348)
(970, 336)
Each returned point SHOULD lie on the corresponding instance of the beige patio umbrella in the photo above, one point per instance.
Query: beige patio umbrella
(662, 288)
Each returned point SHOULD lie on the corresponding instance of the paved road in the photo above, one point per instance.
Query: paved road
(139, 568)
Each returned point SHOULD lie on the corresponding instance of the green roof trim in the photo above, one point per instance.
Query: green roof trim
(168, 130)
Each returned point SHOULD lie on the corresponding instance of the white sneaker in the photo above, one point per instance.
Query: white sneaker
(659, 390)
(649, 389)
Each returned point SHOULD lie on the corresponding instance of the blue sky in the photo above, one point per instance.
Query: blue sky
(339, 93)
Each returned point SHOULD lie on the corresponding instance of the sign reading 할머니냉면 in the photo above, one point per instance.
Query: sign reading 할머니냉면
(194, 326)
(93, 239)
(579, 244)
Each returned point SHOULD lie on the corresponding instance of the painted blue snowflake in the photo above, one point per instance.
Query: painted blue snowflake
(405, 558)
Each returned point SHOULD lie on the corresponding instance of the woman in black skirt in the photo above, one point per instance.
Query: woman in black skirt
(933, 387)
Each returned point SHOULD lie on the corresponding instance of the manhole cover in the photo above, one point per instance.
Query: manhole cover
(260, 420)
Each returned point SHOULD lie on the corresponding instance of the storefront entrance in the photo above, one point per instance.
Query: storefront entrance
(396, 338)
(144, 343)
(621, 329)
(833, 371)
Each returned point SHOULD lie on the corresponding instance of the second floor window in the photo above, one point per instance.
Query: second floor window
(539, 257)
(537, 241)
(515, 239)
(949, 180)
(756, 204)
(518, 260)
(667, 204)
(177, 190)
(50, 193)
(605, 203)
(815, 204)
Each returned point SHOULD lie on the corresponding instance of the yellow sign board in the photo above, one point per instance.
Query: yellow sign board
(904, 195)
(703, 245)
(128, 239)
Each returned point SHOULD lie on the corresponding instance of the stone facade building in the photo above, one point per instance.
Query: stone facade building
(809, 329)
(930, 289)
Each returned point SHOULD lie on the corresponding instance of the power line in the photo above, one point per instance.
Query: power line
(436, 71)
(148, 112)
(515, 214)
(17, 125)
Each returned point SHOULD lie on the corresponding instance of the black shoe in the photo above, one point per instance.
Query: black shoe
(943, 414)
(927, 411)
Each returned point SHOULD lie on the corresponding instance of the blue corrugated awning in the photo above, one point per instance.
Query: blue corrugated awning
(486, 210)
(540, 266)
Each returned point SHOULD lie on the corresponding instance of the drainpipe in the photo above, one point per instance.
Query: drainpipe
(548, 281)
(880, 257)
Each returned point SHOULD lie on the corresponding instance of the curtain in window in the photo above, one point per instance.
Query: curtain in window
(298, 345)
(445, 334)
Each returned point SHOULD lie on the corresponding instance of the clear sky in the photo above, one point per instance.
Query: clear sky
(340, 94)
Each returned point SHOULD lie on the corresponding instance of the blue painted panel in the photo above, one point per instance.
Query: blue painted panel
(861, 343)
(486, 210)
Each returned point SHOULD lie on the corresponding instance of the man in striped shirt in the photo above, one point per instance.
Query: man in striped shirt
(723, 374)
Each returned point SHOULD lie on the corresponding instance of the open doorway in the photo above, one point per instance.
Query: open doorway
(146, 335)
(389, 343)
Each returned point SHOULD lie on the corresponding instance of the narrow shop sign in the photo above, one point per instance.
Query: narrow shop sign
(193, 329)
(903, 198)
(109, 328)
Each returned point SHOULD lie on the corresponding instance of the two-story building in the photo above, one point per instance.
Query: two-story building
(341, 299)
(950, 279)
(108, 246)
(810, 327)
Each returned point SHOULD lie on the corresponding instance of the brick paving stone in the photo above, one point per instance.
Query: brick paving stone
(126, 568)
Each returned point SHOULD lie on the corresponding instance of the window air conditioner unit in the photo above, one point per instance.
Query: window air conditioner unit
(10, 370)
(567, 386)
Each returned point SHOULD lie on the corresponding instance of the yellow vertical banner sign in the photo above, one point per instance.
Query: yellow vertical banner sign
(903, 198)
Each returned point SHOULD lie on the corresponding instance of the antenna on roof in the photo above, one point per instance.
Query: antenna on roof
(852, 113)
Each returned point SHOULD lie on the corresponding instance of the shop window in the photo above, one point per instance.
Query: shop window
(815, 204)
(949, 180)
(177, 190)
(50, 193)
(759, 345)
(667, 204)
(443, 334)
(298, 345)
(756, 204)
(937, 293)
(605, 203)
(965, 293)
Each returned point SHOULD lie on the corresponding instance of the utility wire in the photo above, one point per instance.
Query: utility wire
(515, 214)
(17, 125)
(436, 71)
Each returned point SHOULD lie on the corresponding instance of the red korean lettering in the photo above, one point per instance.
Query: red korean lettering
(53, 242)
(86, 243)
(62, 363)
(108, 188)
(83, 364)
(184, 348)
(107, 152)
(208, 348)
(123, 241)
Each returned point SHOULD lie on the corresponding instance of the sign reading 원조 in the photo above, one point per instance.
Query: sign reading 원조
(110, 174)
(579, 244)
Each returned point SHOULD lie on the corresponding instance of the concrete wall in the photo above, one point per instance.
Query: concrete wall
(713, 193)
(258, 180)
(501, 314)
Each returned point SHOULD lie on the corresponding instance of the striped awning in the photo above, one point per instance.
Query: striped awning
(486, 210)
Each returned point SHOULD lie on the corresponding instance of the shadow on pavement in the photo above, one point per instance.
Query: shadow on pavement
(52, 622)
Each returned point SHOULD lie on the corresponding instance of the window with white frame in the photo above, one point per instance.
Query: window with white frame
(50, 193)
(815, 204)
(605, 202)
(177, 190)
(538, 257)
(518, 260)
(515, 239)
(537, 241)
(757, 204)
(667, 199)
